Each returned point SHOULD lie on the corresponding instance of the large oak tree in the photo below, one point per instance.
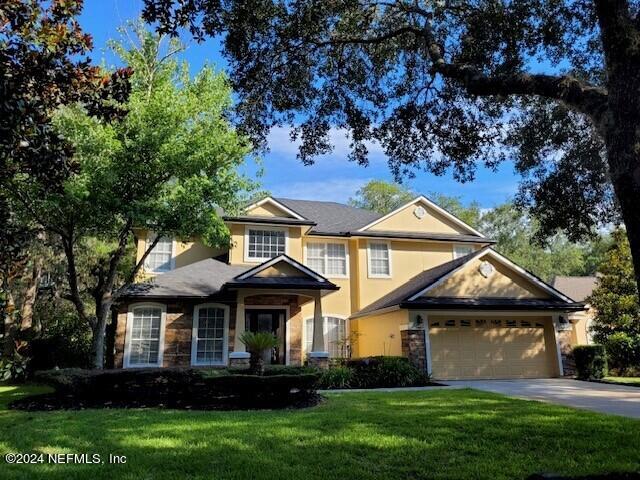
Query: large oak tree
(446, 85)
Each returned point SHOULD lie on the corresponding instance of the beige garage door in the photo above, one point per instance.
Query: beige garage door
(500, 348)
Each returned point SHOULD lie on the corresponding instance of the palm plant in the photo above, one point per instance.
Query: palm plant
(256, 344)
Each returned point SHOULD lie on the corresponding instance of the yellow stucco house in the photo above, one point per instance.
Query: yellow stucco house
(329, 280)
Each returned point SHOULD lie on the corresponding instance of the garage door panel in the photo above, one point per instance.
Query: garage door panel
(489, 351)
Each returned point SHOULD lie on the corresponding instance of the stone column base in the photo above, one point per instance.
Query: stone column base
(319, 359)
(239, 360)
(413, 347)
(566, 352)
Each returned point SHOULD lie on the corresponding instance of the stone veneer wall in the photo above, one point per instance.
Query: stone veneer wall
(565, 341)
(413, 347)
(177, 335)
(179, 322)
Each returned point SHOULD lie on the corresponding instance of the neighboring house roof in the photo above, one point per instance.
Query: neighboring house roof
(331, 217)
(410, 294)
(577, 288)
(208, 277)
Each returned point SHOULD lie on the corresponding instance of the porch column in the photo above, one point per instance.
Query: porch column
(318, 356)
(239, 358)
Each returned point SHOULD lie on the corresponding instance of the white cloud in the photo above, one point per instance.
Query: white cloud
(332, 190)
(280, 143)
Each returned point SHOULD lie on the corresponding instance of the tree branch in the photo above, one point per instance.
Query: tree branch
(138, 266)
(72, 278)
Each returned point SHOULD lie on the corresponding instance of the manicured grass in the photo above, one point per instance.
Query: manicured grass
(452, 434)
(632, 381)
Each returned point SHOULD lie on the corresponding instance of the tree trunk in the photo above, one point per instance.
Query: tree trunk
(103, 310)
(627, 190)
(31, 294)
(10, 329)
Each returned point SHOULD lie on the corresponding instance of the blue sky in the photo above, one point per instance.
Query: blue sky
(332, 177)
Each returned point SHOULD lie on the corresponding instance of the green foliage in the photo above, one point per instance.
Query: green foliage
(336, 377)
(518, 237)
(382, 197)
(174, 388)
(43, 61)
(470, 214)
(615, 299)
(14, 369)
(169, 166)
(441, 87)
(383, 371)
(623, 352)
(591, 362)
(258, 342)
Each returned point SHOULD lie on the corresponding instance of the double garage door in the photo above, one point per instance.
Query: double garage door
(489, 348)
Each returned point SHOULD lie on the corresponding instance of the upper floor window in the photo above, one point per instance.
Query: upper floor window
(262, 244)
(379, 259)
(462, 250)
(328, 259)
(160, 259)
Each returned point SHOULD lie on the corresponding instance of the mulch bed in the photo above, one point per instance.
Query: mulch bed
(53, 401)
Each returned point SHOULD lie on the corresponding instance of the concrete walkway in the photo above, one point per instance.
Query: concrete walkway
(599, 397)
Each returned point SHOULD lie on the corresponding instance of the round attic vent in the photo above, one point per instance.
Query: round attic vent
(486, 269)
(419, 212)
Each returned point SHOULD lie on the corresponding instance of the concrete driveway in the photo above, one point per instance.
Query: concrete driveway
(600, 397)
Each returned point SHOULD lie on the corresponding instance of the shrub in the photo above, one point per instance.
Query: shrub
(178, 387)
(380, 372)
(257, 344)
(336, 377)
(14, 369)
(623, 351)
(591, 361)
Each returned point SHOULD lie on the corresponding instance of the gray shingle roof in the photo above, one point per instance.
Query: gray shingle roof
(577, 288)
(199, 279)
(331, 217)
(415, 284)
(401, 295)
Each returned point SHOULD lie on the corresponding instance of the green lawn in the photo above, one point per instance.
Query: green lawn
(452, 434)
(633, 381)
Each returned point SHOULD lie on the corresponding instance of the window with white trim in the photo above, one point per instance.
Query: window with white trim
(265, 244)
(379, 264)
(161, 256)
(335, 336)
(328, 259)
(144, 341)
(462, 250)
(209, 335)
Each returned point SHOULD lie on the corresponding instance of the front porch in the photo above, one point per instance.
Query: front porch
(178, 330)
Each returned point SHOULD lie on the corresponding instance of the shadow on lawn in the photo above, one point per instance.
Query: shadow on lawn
(452, 434)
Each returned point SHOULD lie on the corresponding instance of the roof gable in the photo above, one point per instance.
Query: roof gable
(281, 266)
(270, 207)
(421, 215)
(502, 278)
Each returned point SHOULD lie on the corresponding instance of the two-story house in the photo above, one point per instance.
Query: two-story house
(329, 280)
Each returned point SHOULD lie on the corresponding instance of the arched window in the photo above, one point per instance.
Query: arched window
(335, 336)
(210, 334)
(145, 335)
